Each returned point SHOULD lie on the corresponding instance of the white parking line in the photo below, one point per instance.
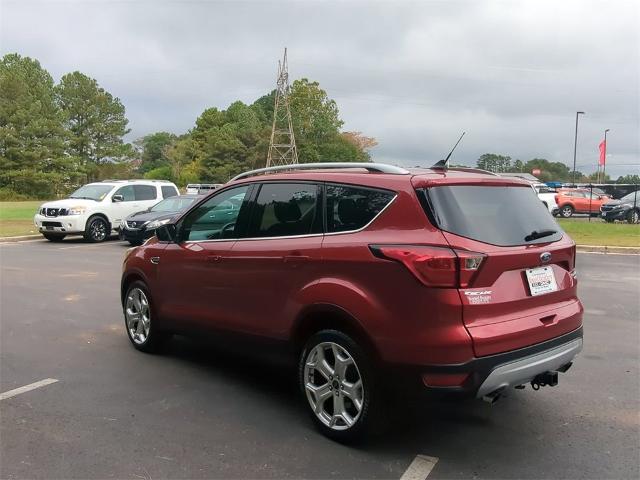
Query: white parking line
(27, 388)
(420, 468)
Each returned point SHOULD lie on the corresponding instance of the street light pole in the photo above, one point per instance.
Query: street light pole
(575, 147)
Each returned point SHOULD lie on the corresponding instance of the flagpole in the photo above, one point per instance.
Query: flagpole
(604, 165)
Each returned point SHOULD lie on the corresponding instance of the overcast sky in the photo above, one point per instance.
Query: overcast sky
(411, 74)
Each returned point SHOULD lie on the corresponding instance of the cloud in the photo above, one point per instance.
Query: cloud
(412, 74)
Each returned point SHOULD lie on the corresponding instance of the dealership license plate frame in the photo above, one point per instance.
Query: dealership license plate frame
(541, 280)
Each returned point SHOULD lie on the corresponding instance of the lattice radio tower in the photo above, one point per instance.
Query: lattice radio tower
(282, 147)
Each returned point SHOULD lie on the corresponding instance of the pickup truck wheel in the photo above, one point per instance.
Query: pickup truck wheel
(139, 320)
(566, 211)
(52, 237)
(338, 386)
(97, 230)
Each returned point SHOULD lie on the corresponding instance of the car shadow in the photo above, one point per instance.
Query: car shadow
(409, 420)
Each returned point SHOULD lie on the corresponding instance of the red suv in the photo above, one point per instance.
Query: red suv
(459, 279)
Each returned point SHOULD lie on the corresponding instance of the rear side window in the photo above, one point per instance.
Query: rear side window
(285, 209)
(497, 215)
(351, 208)
(145, 192)
(169, 191)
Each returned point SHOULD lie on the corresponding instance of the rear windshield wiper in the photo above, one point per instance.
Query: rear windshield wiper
(539, 234)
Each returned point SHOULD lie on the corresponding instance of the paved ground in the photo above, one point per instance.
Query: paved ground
(197, 412)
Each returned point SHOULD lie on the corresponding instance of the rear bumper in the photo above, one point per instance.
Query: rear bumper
(526, 369)
(484, 375)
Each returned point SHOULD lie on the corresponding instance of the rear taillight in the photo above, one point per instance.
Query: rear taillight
(434, 266)
(556, 198)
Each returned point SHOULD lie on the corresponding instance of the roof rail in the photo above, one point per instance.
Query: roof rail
(467, 169)
(371, 167)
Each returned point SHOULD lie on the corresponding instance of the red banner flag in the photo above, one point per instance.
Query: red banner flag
(603, 153)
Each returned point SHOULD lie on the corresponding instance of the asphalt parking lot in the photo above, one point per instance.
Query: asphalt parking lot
(201, 412)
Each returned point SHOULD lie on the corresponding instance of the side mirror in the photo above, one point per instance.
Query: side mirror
(117, 198)
(167, 232)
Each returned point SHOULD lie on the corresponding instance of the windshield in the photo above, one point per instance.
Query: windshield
(630, 197)
(92, 192)
(499, 215)
(172, 204)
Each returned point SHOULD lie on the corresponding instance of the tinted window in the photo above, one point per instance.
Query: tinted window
(351, 208)
(285, 209)
(215, 218)
(127, 193)
(145, 192)
(496, 215)
(173, 204)
(169, 191)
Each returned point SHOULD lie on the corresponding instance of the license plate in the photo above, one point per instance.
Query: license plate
(48, 228)
(541, 280)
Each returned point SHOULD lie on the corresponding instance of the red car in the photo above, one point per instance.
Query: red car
(457, 280)
(577, 200)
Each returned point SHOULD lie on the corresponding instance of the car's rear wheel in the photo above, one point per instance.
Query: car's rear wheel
(633, 216)
(53, 237)
(339, 388)
(139, 322)
(566, 211)
(97, 230)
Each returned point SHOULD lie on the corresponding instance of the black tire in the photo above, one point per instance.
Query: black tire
(566, 211)
(53, 237)
(97, 230)
(155, 340)
(368, 417)
(633, 216)
(609, 220)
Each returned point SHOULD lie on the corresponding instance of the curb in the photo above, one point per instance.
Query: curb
(20, 238)
(607, 249)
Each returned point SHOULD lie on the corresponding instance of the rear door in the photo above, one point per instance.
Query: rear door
(269, 269)
(525, 289)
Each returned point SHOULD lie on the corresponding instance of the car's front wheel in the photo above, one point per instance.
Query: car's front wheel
(97, 230)
(566, 211)
(139, 322)
(339, 388)
(633, 216)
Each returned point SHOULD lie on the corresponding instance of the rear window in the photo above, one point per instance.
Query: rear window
(351, 208)
(145, 192)
(501, 216)
(168, 191)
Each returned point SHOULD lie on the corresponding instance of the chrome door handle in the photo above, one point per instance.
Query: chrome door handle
(155, 260)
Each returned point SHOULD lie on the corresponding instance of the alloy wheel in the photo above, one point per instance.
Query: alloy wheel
(138, 315)
(98, 230)
(333, 385)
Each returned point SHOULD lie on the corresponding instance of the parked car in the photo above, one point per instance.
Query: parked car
(626, 209)
(138, 227)
(95, 209)
(202, 188)
(576, 200)
(547, 196)
(456, 281)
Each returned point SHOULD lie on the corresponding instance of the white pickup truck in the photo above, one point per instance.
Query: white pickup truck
(96, 209)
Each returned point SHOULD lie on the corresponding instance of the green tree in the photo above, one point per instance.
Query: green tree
(550, 171)
(31, 131)
(151, 149)
(95, 119)
(494, 162)
(631, 179)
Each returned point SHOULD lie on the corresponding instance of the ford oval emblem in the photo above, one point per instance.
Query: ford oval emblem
(545, 257)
